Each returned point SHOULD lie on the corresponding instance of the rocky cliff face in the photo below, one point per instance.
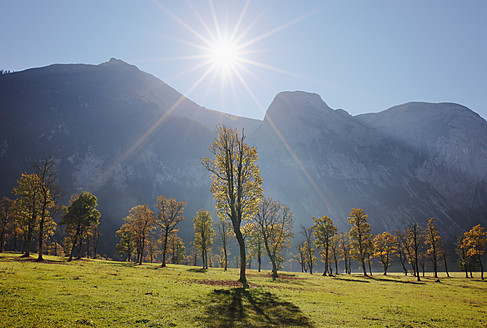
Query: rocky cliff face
(128, 137)
(408, 163)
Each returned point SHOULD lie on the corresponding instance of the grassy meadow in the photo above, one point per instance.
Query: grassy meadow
(94, 293)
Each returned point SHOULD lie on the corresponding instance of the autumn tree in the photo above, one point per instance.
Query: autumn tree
(309, 254)
(323, 230)
(385, 245)
(443, 252)
(335, 251)
(126, 244)
(27, 205)
(360, 236)
(80, 214)
(433, 239)
(203, 234)
(177, 248)
(49, 193)
(236, 182)
(224, 233)
(275, 222)
(402, 249)
(6, 216)
(169, 215)
(141, 222)
(152, 246)
(345, 251)
(300, 257)
(464, 261)
(256, 244)
(475, 243)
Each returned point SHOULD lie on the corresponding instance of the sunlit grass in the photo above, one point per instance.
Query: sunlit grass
(116, 294)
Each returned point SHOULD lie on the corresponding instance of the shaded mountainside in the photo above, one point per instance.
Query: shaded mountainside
(128, 137)
(113, 130)
(410, 162)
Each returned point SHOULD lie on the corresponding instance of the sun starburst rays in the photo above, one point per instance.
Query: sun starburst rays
(224, 56)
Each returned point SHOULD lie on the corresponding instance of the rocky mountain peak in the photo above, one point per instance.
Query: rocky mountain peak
(291, 105)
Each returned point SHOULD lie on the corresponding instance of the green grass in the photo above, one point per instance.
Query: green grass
(93, 293)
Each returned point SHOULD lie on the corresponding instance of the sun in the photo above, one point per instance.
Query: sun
(225, 55)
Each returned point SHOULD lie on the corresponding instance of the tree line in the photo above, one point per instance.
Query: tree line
(261, 226)
(31, 216)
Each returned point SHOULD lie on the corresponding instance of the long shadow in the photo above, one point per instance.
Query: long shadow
(239, 307)
(197, 270)
(398, 281)
(122, 264)
(350, 279)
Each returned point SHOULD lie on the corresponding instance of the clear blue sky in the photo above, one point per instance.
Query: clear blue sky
(361, 56)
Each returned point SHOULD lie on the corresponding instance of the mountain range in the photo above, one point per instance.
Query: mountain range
(128, 137)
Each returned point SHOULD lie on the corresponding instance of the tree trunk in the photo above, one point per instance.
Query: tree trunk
(164, 248)
(203, 257)
(481, 267)
(259, 259)
(364, 267)
(435, 263)
(95, 246)
(446, 266)
(142, 246)
(74, 241)
(80, 248)
(403, 260)
(370, 266)
(243, 260)
(2, 239)
(226, 256)
(326, 261)
(27, 242)
(310, 259)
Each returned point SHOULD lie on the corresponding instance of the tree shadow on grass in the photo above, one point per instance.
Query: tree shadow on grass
(350, 279)
(398, 281)
(197, 270)
(122, 264)
(238, 307)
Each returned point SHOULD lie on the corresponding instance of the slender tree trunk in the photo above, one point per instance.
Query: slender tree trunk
(164, 248)
(403, 264)
(203, 257)
(41, 232)
(226, 256)
(435, 263)
(446, 266)
(95, 246)
(370, 266)
(2, 239)
(259, 259)
(80, 248)
(310, 259)
(74, 241)
(142, 246)
(481, 267)
(27, 242)
(363, 266)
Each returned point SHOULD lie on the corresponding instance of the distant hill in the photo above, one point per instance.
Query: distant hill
(128, 137)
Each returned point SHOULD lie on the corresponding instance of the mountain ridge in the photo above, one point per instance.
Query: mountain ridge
(128, 137)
